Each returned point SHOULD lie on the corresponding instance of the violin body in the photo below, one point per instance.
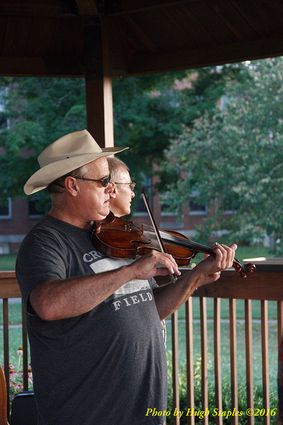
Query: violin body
(119, 238)
(125, 239)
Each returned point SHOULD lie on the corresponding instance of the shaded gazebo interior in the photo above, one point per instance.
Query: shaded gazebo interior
(106, 38)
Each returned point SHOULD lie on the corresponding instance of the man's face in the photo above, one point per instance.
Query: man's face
(122, 195)
(93, 198)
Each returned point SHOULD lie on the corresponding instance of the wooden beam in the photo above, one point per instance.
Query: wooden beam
(39, 9)
(98, 84)
(87, 7)
(261, 48)
(129, 7)
(9, 287)
(63, 66)
(100, 110)
(255, 287)
(261, 285)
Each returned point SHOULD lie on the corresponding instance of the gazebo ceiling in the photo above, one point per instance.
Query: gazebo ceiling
(63, 37)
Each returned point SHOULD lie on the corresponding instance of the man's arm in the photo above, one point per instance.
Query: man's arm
(168, 298)
(61, 299)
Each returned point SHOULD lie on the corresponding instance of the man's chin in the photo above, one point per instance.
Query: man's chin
(103, 214)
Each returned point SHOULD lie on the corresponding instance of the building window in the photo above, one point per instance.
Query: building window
(34, 209)
(166, 209)
(228, 207)
(140, 208)
(196, 207)
(3, 113)
(5, 209)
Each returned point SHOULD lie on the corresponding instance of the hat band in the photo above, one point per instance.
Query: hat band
(48, 161)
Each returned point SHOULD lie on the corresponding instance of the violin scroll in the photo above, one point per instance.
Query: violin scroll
(245, 269)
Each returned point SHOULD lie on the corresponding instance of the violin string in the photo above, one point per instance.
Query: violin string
(191, 244)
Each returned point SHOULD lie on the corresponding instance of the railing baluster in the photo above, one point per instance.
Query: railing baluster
(249, 362)
(6, 345)
(190, 360)
(217, 358)
(233, 358)
(280, 322)
(265, 368)
(204, 348)
(6, 339)
(280, 360)
(175, 366)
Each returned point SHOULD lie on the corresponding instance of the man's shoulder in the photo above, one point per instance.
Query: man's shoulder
(44, 232)
(52, 226)
(43, 227)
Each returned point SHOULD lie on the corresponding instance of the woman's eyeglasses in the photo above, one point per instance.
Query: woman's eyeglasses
(131, 185)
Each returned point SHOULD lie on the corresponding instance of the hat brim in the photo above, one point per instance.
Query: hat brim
(51, 172)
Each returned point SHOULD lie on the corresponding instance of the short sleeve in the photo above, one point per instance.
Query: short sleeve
(40, 258)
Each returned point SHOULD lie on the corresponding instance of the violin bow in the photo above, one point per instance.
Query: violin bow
(155, 228)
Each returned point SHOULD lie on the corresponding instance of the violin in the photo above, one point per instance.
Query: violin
(117, 237)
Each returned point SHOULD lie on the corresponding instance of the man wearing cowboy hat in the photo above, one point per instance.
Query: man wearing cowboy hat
(94, 322)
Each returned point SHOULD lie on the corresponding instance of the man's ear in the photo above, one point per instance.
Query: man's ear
(71, 186)
(113, 192)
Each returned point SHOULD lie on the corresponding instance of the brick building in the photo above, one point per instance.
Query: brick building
(18, 216)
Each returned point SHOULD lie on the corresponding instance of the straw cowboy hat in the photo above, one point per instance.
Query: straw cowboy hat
(65, 155)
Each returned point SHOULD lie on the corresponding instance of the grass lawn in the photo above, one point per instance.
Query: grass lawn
(225, 350)
(7, 262)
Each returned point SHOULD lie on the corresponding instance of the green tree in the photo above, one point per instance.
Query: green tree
(148, 111)
(235, 158)
(39, 110)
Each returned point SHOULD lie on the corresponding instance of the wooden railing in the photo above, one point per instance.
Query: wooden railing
(9, 289)
(265, 285)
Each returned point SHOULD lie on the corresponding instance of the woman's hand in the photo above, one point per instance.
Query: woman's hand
(209, 270)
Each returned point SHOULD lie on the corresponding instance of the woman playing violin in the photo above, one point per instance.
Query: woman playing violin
(123, 188)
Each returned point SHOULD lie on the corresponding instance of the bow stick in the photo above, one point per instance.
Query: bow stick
(155, 228)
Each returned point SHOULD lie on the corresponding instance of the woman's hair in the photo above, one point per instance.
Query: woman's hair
(115, 165)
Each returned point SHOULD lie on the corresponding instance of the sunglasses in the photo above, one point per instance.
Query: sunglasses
(132, 185)
(104, 181)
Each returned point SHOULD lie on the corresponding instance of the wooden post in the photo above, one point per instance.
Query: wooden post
(3, 399)
(98, 83)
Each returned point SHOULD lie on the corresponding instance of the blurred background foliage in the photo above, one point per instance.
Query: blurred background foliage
(215, 132)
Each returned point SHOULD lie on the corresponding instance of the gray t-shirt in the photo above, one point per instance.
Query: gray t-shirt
(106, 366)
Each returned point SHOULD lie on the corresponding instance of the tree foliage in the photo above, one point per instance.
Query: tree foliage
(39, 110)
(148, 111)
(235, 157)
(230, 155)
